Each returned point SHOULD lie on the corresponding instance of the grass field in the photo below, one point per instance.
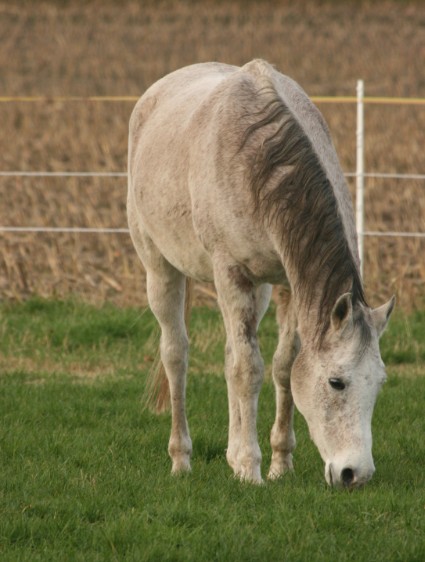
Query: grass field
(60, 48)
(85, 472)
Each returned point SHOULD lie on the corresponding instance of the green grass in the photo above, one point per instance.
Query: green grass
(85, 472)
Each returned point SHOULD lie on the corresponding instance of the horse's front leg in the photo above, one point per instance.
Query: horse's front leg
(232, 453)
(244, 368)
(282, 436)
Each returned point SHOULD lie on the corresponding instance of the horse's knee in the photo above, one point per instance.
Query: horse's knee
(248, 371)
(174, 354)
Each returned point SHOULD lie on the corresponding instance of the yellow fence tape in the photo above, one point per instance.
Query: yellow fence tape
(316, 99)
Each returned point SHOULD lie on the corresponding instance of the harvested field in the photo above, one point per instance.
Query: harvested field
(106, 48)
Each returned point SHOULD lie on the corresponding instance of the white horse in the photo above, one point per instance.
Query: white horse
(233, 178)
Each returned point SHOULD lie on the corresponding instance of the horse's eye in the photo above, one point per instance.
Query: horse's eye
(337, 384)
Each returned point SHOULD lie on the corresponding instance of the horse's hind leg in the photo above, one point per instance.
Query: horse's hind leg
(282, 435)
(166, 292)
(166, 295)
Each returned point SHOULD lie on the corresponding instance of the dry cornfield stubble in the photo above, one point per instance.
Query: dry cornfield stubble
(106, 48)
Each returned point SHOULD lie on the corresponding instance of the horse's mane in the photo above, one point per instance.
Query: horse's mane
(292, 191)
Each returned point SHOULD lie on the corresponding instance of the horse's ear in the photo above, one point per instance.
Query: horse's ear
(381, 315)
(342, 312)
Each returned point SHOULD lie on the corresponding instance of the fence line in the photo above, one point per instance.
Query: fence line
(13, 173)
(371, 100)
(391, 234)
(46, 99)
(387, 175)
(374, 100)
(360, 174)
(65, 174)
(89, 230)
(66, 229)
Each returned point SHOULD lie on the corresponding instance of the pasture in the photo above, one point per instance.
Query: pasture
(85, 472)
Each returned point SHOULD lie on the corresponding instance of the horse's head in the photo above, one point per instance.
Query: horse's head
(335, 386)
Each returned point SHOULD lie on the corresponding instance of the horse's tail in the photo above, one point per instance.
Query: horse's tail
(157, 392)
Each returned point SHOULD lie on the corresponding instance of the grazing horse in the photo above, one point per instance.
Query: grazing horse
(233, 178)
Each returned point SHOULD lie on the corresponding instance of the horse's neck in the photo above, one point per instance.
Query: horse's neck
(314, 126)
(308, 313)
(310, 319)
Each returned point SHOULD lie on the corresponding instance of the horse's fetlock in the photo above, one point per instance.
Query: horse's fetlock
(250, 467)
(180, 451)
(250, 456)
(280, 464)
(179, 445)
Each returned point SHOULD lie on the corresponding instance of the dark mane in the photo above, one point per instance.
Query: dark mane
(291, 190)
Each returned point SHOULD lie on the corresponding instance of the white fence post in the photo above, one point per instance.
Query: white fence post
(360, 171)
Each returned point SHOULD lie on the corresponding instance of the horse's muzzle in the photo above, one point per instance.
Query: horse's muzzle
(347, 477)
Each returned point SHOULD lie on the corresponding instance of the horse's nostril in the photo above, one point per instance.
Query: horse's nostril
(347, 476)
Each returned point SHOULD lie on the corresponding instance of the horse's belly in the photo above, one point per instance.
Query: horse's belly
(188, 257)
(171, 231)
